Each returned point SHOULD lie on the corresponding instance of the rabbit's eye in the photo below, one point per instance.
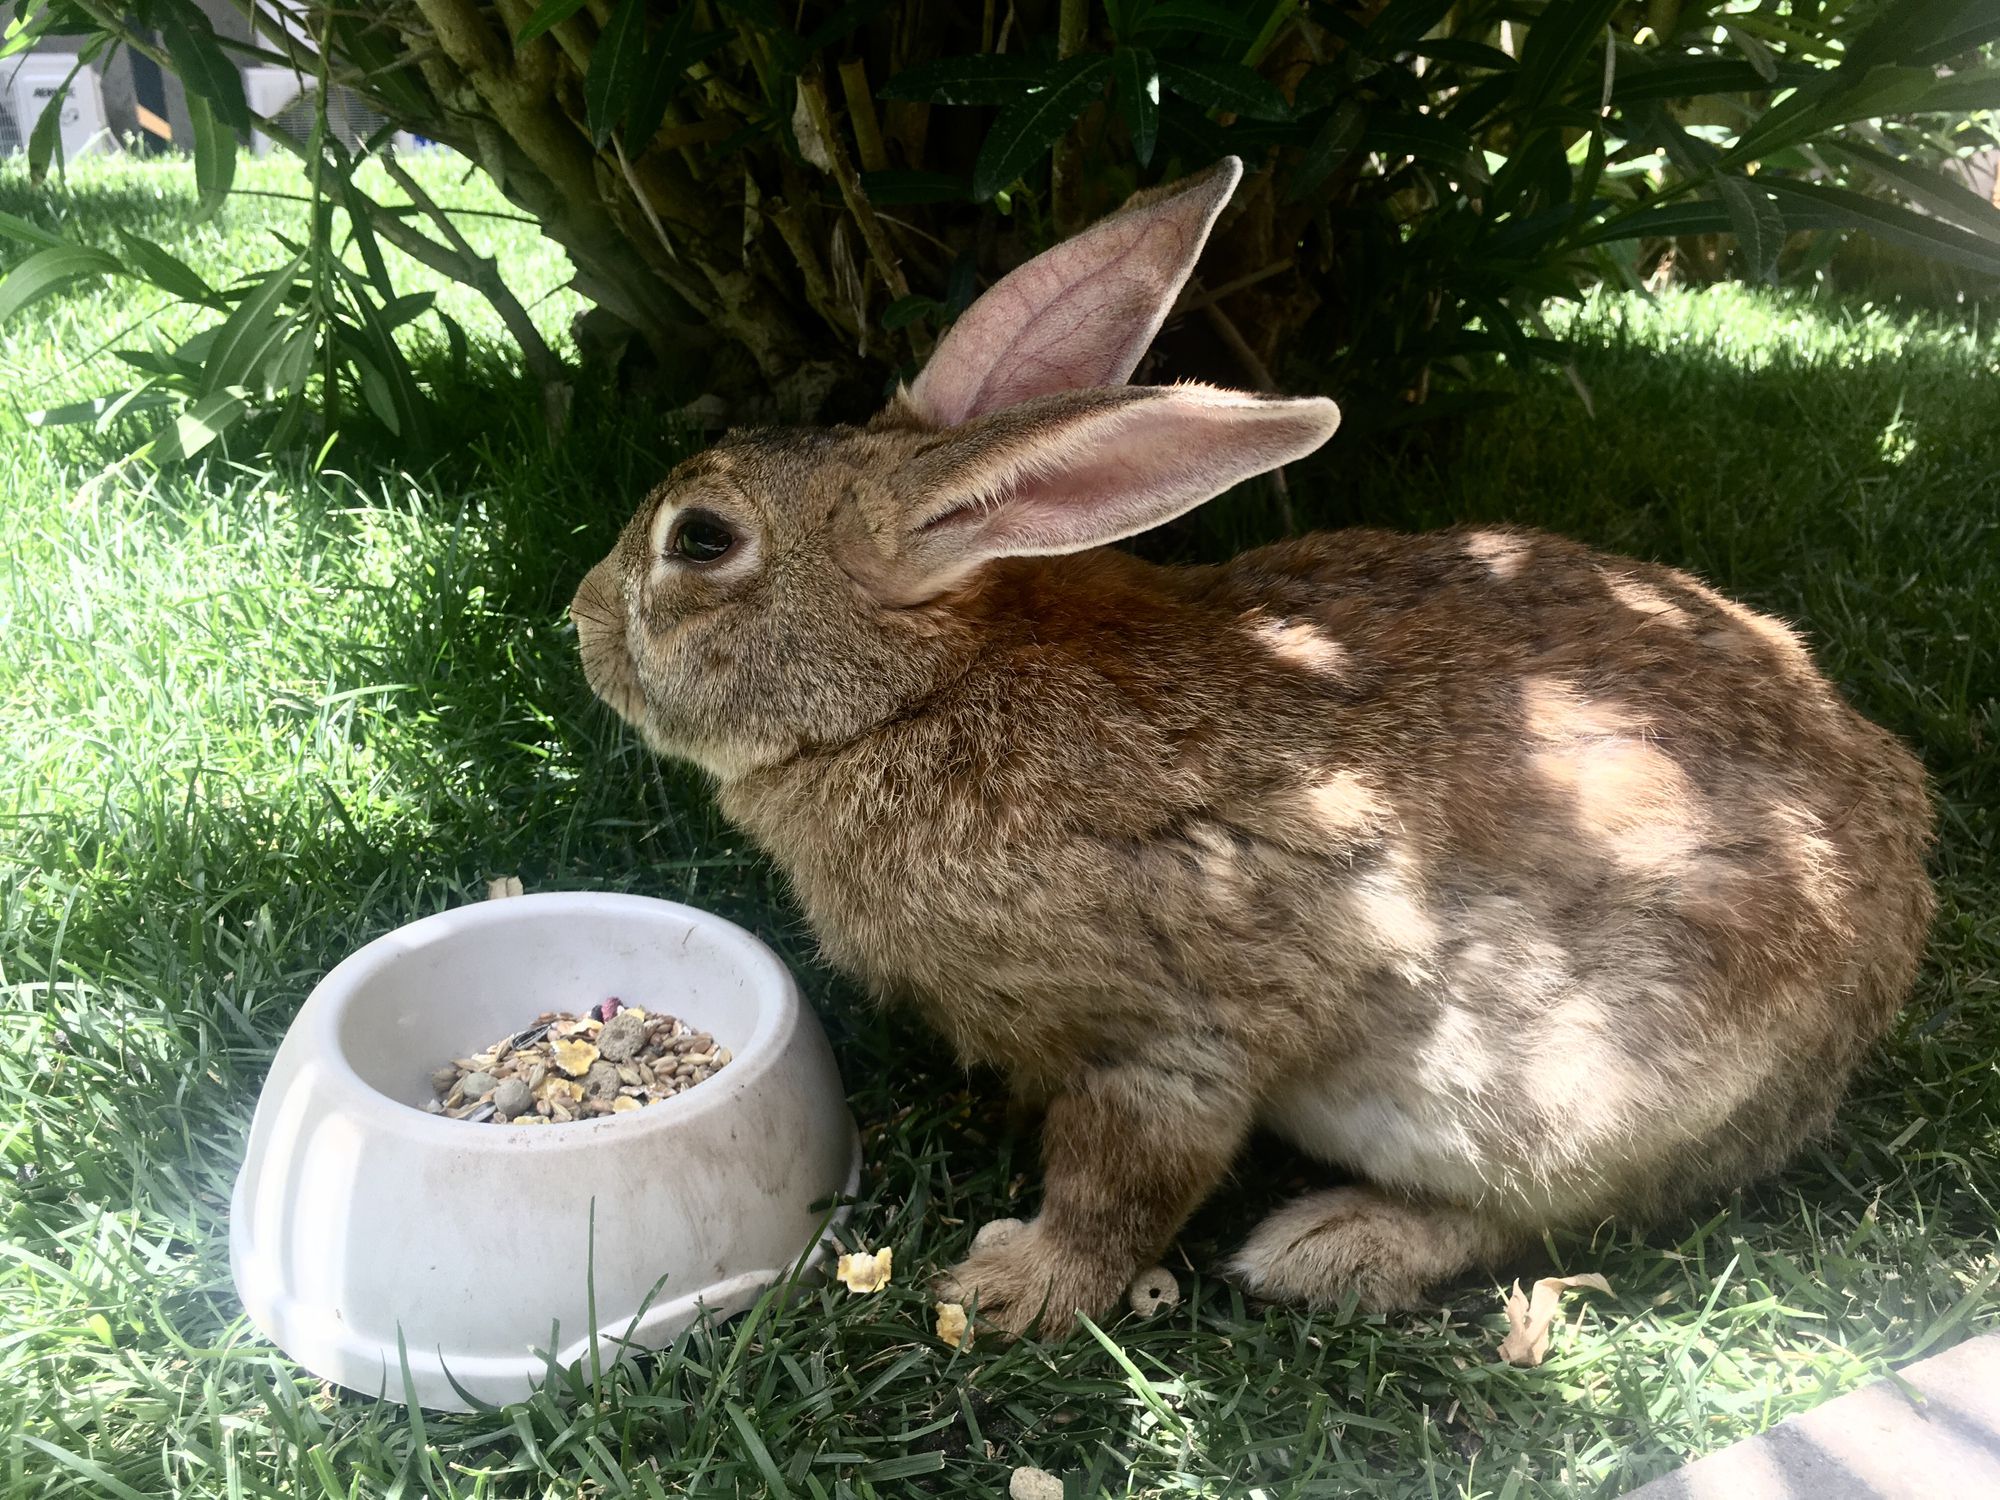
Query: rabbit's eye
(700, 537)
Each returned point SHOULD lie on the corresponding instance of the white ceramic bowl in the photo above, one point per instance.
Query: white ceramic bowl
(358, 1216)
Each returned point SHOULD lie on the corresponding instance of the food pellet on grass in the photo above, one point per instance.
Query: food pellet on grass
(568, 1067)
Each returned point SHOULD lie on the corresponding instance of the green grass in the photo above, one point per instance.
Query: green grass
(255, 716)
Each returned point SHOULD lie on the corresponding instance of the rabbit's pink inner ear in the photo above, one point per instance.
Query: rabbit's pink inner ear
(1066, 473)
(1076, 316)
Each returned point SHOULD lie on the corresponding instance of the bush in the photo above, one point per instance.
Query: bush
(786, 203)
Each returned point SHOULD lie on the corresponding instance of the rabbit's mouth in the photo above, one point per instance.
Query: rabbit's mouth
(600, 640)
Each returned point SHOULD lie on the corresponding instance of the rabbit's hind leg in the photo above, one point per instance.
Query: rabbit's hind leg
(1386, 1250)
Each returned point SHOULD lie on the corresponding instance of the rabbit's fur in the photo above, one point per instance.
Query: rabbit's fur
(1533, 885)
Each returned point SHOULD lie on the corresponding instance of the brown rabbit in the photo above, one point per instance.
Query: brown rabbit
(1531, 884)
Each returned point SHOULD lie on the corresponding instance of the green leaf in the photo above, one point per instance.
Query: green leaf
(397, 311)
(167, 272)
(287, 366)
(1920, 33)
(1811, 112)
(1428, 139)
(907, 310)
(1964, 93)
(1687, 78)
(850, 18)
(1583, 192)
(1203, 16)
(214, 157)
(178, 366)
(1465, 54)
(376, 391)
(617, 67)
(1926, 188)
(385, 357)
(1028, 127)
(98, 409)
(915, 187)
(14, 227)
(459, 348)
(49, 271)
(199, 60)
(1818, 205)
(1558, 40)
(1758, 225)
(45, 140)
(23, 32)
(1754, 52)
(979, 79)
(1338, 139)
(1226, 86)
(1136, 83)
(194, 429)
(1663, 221)
(361, 224)
(1402, 23)
(667, 62)
(549, 13)
(249, 333)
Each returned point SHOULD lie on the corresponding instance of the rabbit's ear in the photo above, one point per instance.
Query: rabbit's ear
(1076, 316)
(1066, 472)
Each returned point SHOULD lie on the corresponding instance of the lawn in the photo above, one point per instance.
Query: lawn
(254, 716)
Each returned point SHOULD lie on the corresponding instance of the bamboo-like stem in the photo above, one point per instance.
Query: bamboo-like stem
(812, 93)
(861, 113)
(482, 274)
(786, 219)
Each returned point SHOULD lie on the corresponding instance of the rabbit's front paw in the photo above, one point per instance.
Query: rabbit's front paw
(1027, 1280)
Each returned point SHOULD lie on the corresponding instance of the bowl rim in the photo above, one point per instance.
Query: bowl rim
(318, 1025)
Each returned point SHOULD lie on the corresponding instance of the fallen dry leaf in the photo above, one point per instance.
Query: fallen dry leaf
(1529, 1318)
(863, 1272)
(952, 1327)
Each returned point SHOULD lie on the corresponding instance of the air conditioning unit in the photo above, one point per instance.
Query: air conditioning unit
(31, 81)
(285, 97)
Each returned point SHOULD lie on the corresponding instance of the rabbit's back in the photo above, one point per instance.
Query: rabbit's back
(1661, 887)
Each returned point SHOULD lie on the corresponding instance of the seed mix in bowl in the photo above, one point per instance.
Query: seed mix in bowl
(569, 1067)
